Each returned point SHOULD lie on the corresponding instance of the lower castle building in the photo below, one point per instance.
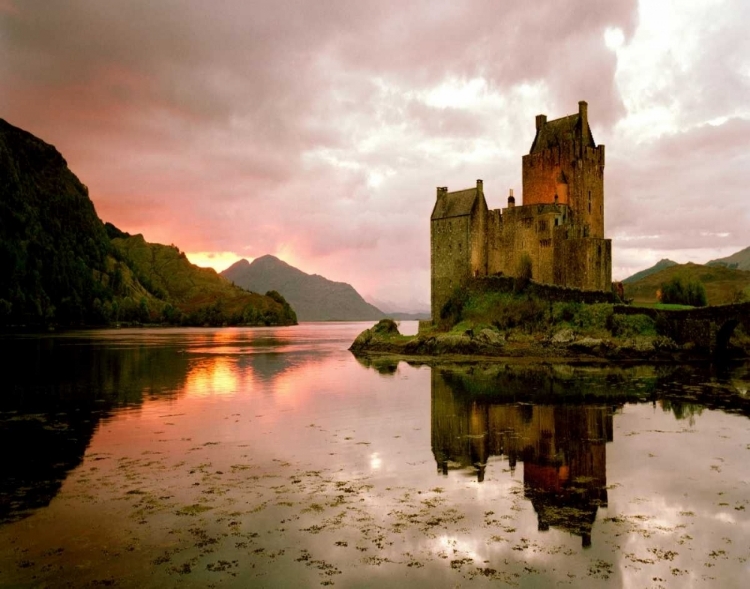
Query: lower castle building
(559, 228)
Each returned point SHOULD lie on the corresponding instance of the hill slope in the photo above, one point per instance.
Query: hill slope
(660, 265)
(59, 264)
(723, 285)
(52, 244)
(313, 297)
(189, 294)
(739, 260)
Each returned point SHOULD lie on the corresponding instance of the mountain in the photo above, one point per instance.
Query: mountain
(59, 264)
(411, 311)
(411, 307)
(313, 297)
(739, 260)
(723, 285)
(195, 295)
(660, 265)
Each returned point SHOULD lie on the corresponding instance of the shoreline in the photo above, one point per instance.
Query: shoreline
(490, 345)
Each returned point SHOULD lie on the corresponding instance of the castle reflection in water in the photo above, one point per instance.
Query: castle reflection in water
(562, 447)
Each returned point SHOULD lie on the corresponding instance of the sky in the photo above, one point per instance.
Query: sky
(317, 131)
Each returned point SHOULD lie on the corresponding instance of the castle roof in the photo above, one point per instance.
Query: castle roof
(559, 131)
(455, 204)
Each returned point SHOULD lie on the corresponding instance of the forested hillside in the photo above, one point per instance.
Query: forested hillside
(59, 265)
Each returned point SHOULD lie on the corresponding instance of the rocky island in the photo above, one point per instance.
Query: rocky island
(522, 326)
(534, 280)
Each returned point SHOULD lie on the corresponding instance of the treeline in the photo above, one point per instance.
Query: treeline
(679, 291)
(129, 311)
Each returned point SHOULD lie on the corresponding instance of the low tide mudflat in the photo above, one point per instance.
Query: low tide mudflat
(273, 457)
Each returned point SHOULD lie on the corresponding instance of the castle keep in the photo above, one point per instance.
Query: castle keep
(560, 226)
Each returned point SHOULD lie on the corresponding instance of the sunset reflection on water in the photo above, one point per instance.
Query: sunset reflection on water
(244, 455)
(216, 376)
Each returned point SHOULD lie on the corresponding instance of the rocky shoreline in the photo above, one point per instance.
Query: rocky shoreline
(560, 346)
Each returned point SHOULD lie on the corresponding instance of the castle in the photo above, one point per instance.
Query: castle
(559, 228)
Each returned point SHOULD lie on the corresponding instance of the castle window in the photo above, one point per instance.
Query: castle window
(589, 201)
(557, 221)
(545, 242)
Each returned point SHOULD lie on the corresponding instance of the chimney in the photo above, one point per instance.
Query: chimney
(480, 185)
(541, 120)
(441, 190)
(511, 198)
(583, 113)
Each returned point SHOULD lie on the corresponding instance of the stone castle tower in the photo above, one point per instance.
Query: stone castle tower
(559, 227)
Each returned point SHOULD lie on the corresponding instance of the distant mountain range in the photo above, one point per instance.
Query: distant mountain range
(739, 260)
(313, 297)
(411, 307)
(660, 265)
(723, 285)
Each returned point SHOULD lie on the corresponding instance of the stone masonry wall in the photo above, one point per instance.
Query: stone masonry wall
(478, 238)
(525, 230)
(584, 263)
(450, 257)
(549, 292)
(582, 168)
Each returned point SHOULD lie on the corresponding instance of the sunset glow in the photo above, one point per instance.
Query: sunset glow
(217, 260)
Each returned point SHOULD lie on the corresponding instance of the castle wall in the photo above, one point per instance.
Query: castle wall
(549, 292)
(495, 248)
(450, 254)
(478, 238)
(584, 263)
(587, 199)
(524, 230)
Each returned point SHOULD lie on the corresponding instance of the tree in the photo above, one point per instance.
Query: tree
(679, 291)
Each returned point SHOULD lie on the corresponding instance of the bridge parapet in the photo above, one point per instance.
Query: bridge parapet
(709, 328)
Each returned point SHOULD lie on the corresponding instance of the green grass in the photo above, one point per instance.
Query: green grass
(663, 306)
(523, 314)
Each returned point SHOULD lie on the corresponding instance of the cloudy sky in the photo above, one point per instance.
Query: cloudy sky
(317, 131)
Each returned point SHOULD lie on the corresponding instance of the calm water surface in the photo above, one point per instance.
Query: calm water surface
(273, 458)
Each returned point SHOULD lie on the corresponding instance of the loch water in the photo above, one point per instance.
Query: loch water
(272, 457)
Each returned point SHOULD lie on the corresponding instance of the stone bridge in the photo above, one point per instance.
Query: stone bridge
(708, 328)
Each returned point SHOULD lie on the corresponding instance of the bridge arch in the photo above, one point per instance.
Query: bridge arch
(723, 334)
